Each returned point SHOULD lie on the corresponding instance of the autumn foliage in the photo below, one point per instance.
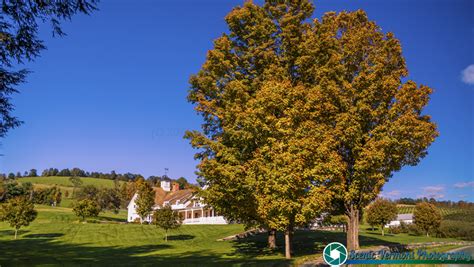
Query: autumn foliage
(300, 115)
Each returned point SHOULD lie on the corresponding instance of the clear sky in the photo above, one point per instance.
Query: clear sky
(112, 94)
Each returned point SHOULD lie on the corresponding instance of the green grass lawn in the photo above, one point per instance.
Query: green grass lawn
(56, 237)
(64, 181)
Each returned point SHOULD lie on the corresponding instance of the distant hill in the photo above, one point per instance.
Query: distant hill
(445, 211)
(64, 181)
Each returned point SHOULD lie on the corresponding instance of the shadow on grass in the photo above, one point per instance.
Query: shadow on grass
(304, 243)
(50, 235)
(12, 232)
(110, 219)
(42, 249)
(180, 237)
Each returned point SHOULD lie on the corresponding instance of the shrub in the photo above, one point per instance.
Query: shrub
(414, 230)
(402, 228)
(86, 208)
(456, 229)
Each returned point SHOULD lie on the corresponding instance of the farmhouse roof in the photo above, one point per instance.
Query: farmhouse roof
(405, 217)
(172, 197)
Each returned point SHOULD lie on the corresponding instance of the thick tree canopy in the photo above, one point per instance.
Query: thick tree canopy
(145, 200)
(381, 212)
(19, 42)
(167, 219)
(18, 212)
(296, 112)
(427, 217)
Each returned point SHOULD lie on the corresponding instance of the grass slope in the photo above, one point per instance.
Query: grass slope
(64, 181)
(57, 238)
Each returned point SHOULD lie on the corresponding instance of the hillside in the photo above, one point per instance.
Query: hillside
(64, 181)
(403, 208)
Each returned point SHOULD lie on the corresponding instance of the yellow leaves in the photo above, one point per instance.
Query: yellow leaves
(297, 113)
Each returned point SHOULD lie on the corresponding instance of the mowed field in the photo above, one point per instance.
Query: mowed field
(64, 181)
(56, 237)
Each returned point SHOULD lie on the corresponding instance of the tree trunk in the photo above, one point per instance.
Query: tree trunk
(353, 229)
(272, 239)
(16, 232)
(166, 235)
(383, 234)
(288, 243)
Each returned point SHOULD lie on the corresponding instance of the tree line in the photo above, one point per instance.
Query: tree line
(77, 172)
(438, 203)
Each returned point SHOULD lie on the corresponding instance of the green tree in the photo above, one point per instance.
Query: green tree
(167, 219)
(86, 208)
(145, 200)
(380, 212)
(427, 217)
(18, 212)
(33, 173)
(109, 199)
(183, 183)
(19, 42)
(11, 176)
(76, 182)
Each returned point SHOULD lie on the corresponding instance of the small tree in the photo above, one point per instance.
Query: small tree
(86, 208)
(145, 200)
(381, 212)
(427, 217)
(109, 199)
(76, 182)
(167, 219)
(18, 212)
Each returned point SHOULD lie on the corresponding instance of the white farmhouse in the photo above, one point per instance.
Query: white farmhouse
(406, 218)
(185, 201)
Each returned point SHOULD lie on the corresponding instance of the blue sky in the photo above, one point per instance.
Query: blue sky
(112, 94)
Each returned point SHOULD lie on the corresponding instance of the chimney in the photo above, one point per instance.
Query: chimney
(175, 187)
(165, 184)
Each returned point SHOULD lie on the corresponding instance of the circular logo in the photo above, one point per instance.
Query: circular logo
(335, 254)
